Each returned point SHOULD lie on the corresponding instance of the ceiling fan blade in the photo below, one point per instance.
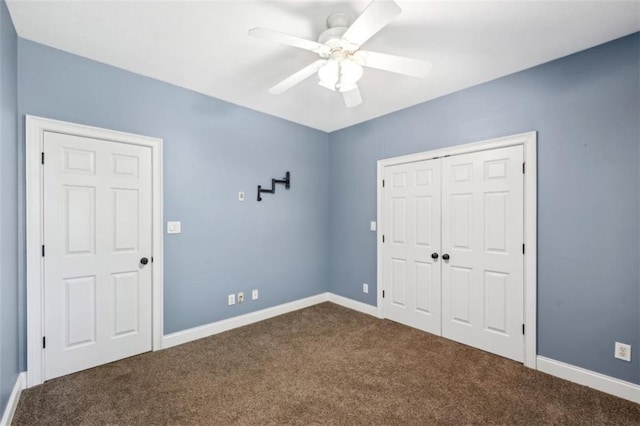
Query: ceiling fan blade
(374, 18)
(296, 78)
(352, 98)
(398, 64)
(287, 39)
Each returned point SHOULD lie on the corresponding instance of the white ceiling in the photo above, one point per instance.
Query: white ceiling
(204, 46)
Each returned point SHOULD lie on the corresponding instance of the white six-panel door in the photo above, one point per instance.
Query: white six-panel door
(412, 233)
(97, 228)
(482, 223)
(467, 208)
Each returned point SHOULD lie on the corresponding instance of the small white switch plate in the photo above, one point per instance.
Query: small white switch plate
(174, 227)
(240, 196)
(254, 294)
(365, 288)
(240, 297)
(373, 226)
(623, 351)
(232, 299)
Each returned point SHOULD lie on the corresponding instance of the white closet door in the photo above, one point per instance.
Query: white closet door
(412, 234)
(97, 228)
(482, 233)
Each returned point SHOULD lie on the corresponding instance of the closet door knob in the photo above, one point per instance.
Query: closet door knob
(144, 261)
(445, 256)
(434, 256)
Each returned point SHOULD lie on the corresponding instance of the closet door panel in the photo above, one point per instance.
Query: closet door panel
(411, 209)
(482, 234)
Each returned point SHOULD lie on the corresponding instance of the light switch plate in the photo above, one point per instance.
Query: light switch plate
(240, 196)
(174, 227)
(373, 226)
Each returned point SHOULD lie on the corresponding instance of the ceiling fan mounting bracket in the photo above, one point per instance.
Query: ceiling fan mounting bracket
(338, 19)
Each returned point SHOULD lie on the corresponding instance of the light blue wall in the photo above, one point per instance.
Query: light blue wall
(212, 150)
(9, 365)
(586, 110)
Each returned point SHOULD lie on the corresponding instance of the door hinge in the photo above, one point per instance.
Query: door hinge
(523, 167)
(43, 250)
(522, 328)
(523, 249)
(383, 238)
(383, 294)
(42, 157)
(383, 183)
(44, 342)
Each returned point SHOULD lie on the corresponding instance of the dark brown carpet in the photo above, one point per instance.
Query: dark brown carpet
(321, 365)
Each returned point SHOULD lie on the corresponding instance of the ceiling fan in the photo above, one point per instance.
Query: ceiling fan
(342, 59)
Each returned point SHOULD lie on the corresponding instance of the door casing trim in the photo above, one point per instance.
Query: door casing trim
(529, 142)
(34, 140)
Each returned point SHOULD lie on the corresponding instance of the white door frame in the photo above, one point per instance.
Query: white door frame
(35, 129)
(529, 142)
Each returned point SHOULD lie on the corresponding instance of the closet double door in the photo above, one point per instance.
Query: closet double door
(453, 261)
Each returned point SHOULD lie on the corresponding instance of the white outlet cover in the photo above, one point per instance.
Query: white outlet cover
(232, 299)
(240, 297)
(623, 351)
(174, 227)
(365, 288)
(254, 294)
(240, 196)
(373, 225)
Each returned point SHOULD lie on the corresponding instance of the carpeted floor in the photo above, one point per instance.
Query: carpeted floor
(321, 365)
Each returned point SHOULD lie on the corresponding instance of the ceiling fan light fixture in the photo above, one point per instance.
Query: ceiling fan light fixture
(350, 72)
(329, 74)
(340, 75)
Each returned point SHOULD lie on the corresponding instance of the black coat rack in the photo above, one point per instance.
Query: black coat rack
(286, 181)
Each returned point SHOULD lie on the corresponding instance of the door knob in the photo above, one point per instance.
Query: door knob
(434, 256)
(144, 261)
(445, 256)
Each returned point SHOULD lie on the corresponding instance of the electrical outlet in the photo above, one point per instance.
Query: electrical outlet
(232, 299)
(254, 294)
(365, 288)
(623, 351)
(240, 297)
(240, 196)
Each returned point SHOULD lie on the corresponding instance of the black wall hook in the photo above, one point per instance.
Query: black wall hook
(286, 181)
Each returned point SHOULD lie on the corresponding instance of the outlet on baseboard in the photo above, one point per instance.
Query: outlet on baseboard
(623, 351)
(232, 299)
(365, 288)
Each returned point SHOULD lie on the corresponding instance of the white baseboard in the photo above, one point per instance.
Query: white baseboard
(607, 384)
(353, 304)
(207, 330)
(12, 404)
(185, 336)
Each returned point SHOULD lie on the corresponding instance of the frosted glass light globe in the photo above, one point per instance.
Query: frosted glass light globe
(329, 74)
(350, 72)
